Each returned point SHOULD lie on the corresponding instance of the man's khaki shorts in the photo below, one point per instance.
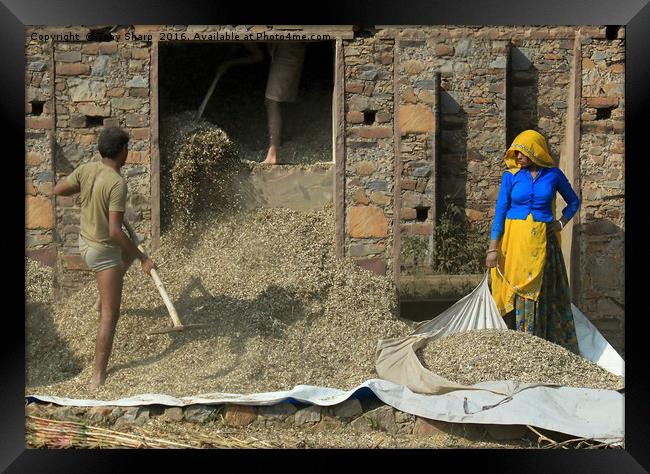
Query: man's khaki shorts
(98, 260)
(284, 74)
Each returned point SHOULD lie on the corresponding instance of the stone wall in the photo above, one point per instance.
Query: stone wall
(93, 84)
(601, 231)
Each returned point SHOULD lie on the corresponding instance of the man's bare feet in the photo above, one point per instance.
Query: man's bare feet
(96, 382)
(272, 156)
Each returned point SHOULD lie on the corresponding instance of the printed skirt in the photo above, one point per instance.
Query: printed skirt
(550, 317)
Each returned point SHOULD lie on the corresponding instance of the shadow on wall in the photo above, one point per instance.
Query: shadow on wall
(453, 150)
(523, 94)
(42, 343)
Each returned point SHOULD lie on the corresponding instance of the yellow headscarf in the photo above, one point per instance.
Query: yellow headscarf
(533, 145)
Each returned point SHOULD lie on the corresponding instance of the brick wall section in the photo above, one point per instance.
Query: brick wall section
(39, 127)
(471, 129)
(369, 144)
(601, 231)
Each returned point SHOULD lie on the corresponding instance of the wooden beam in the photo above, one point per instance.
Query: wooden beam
(154, 148)
(338, 112)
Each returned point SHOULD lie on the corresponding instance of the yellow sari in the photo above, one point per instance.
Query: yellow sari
(522, 250)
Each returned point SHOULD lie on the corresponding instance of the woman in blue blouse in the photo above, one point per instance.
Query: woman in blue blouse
(529, 280)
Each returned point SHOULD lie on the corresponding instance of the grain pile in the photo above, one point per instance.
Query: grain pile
(198, 159)
(285, 311)
(492, 354)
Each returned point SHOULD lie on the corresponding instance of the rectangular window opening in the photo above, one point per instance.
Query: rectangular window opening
(92, 121)
(37, 107)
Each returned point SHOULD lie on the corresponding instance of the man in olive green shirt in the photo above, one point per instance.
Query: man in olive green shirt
(104, 246)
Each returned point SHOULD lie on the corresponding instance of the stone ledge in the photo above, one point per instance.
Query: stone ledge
(360, 417)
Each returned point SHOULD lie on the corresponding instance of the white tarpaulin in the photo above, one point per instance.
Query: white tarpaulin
(586, 413)
(581, 412)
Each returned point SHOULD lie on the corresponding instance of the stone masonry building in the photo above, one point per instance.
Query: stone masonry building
(418, 113)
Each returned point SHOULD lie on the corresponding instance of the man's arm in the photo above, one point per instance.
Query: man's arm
(116, 233)
(64, 188)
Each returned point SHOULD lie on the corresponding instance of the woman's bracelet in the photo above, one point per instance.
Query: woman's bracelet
(561, 224)
(490, 251)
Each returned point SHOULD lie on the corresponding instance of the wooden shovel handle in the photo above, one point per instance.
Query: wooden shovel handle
(156, 279)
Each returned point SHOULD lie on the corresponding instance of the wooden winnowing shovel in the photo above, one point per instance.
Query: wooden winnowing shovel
(178, 326)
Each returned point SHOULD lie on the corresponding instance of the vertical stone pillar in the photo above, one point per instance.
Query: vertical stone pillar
(39, 129)
(369, 156)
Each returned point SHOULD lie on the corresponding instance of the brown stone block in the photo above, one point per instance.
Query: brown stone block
(473, 215)
(443, 50)
(138, 92)
(140, 53)
(137, 157)
(618, 68)
(618, 126)
(111, 122)
(239, 415)
(409, 184)
(360, 197)
(425, 427)
(29, 187)
(46, 256)
(140, 133)
(413, 66)
(417, 229)
(115, 92)
(72, 69)
(416, 119)
(367, 221)
(427, 96)
(74, 262)
(383, 117)
(372, 132)
(39, 213)
(409, 95)
(354, 87)
(365, 168)
(408, 213)
(354, 116)
(90, 48)
(379, 198)
(375, 265)
(602, 102)
(422, 185)
(33, 159)
(368, 89)
(386, 58)
(136, 120)
(108, 48)
(94, 110)
(127, 103)
(40, 122)
(77, 121)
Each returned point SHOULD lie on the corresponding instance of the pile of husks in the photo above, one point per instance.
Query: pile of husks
(284, 310)
(198, 160)
(492, 354)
